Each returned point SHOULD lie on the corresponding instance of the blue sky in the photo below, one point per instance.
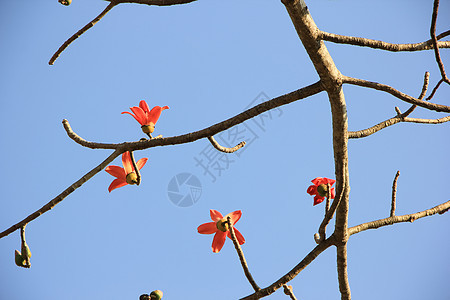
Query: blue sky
(208, 61)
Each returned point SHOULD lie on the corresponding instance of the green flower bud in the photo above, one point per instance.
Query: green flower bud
(65, 2)
(20, 261)
(131, 178)
(26, 250)
(156, 295)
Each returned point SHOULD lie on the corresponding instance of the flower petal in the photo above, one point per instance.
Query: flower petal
(117, 183)
(116, 171)
(318, 199)
(207, 228)
(127, 164)
(154, 114)
(239, 236)
(317, 181)
(330, 181)
(125, 112)
(144, 106)
(333, 193)
(312, 190)
(140, 163)
(141, 116)
(215, 215)
(218, 241)
(235, 216)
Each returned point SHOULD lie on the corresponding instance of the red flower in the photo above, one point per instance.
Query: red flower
(146, 117)
(319, 189)
(125, 175)
(220, 228)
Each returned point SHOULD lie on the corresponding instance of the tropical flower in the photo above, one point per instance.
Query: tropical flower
(146, 117)
(220, 227)
(125, 175)
(319, 189)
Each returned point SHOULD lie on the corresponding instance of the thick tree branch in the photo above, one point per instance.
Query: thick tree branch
(81, 31)
(63, 195)
(363, 42)
(310, 257)
(209, 131)
(396, 93)
(441, 208)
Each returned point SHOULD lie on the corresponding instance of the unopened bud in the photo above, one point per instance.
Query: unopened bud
(65, 2)
(317, 238)
(156, 295)
(26, 250)
(20, 261)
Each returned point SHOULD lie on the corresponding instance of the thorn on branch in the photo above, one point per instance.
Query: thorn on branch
(394, 194)
(225, 149)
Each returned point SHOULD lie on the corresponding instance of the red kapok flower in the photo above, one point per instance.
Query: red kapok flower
(319, 189)
(125, 175)
(220, 228)
(146, 117)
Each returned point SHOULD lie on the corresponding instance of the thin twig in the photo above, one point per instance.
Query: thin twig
(63, 195)
(83, 142)
(426, 82)
(330, 212)
(81, 31)
(394, 193)
(435, 89)
(241, 256)
(395, 93)
(136, 169)
(435, 43)
(376, 44)
(225, 149)
(439, 209)
(288, 291)
(156, 2)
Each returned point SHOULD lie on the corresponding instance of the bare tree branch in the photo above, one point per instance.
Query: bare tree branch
(294, 272)
(241, 256)
(394, 194)
(344, 286)
(363, 42)
(81, 31)
(156, 2)
(395, 93)
(389, 122)
(439, 209)
(63, 195)
(225, 149)
(204, 133)
(435, 43)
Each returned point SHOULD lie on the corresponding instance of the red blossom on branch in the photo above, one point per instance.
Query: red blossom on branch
(125, 175)
(319, 189)
(220, 227)
(146, 117)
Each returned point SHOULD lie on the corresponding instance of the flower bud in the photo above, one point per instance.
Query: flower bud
(317, 238)
(144, 297)
(20, 261)
(26, 251)
(156, 295)
(131, 178)
(65, 2)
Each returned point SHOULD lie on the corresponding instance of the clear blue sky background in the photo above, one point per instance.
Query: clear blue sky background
(208, 61)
